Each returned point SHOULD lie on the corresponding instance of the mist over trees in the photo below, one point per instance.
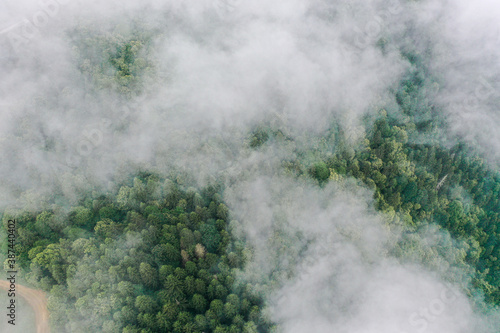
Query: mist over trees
(254, 167)
(151, 258)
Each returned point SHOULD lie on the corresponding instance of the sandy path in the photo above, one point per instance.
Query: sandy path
(37, 300)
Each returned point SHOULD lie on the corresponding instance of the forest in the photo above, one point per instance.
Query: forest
(160, 218)
(155, 256)
(151, 258)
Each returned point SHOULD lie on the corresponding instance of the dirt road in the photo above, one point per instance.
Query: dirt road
(37, 300)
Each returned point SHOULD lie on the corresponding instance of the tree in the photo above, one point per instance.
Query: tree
(171, 310)
(109, 212)
(201, 322)
(199, 303)
(218, 308)
(107, 229)
(187, 238)
(173, 288)
(164, 272)
(42, 225)
(149, 275)
(250, 327)
(200, 287)
(191, 268)
(145, 304)
(172, 255)
(320, 171)
(210, 236)
(125, 288)
(51, 260)
(189, 285)
(82, 216)
(230, 311)
(200, 251)
(163, 321)
(160, 253)
(222, 212)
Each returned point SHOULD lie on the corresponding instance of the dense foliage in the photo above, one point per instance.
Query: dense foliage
(417, 182)
(150, 258)
(156, 257)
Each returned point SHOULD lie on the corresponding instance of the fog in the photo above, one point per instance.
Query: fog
(329, 258)
(212, 72)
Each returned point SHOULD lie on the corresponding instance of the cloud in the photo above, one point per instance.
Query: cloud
(325, 261)
(215, 71)
(212, 73)
(466, 39)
